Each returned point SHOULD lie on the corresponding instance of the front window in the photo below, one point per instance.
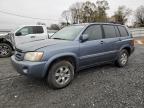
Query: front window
(30, 30)
(94, 32)
(68, 33)
(24, 31)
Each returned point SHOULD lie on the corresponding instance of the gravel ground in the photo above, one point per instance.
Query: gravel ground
(104, 86)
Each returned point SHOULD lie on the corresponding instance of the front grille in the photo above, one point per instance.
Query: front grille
(19, 56)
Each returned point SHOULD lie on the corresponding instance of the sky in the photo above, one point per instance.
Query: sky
(47, 9)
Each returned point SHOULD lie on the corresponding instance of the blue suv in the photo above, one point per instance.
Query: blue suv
(71, 49)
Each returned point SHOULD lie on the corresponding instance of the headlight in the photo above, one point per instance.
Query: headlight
(33, 56)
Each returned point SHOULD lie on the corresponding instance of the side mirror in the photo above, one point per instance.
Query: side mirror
(18, 34)
(84, 37)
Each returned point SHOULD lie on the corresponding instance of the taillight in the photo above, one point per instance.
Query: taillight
(132, 42)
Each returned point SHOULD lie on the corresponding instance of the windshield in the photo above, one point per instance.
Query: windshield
(15, 29)
(68, 33)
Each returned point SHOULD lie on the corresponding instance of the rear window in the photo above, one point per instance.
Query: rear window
(123, 31)
(37, 29)
(109, 31)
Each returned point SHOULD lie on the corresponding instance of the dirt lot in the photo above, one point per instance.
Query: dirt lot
(139, 40)
(100, 87)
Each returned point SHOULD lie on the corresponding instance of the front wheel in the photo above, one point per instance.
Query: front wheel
(122, 58)
(5, 50)
(60, 74)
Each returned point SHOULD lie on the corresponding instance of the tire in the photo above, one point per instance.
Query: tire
(5, 50)
(122, 58)
(60, 74)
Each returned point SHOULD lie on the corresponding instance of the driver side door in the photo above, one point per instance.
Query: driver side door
(91, 50)
(24, 35)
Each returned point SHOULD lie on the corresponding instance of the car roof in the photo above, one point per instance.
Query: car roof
(30, 25)
(86, 24)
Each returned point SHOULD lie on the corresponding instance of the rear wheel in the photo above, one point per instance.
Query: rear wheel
(60, 74)
(5, 50)
(122, 58)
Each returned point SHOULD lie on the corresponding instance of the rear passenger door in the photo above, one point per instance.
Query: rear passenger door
(124, 38)
(110, 42)
(38, 33)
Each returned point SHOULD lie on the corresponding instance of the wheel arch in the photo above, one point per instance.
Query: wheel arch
(68, 57)
(2, 40)
(127, 48)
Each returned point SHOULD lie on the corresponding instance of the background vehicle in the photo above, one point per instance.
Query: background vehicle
(74, 48)
(30, 33)
(23, 34)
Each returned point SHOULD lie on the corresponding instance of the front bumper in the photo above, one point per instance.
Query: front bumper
(132, 50)
(30, 69)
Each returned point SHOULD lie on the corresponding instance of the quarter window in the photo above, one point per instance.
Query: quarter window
(117, 31)
(37, 29)
(109, 31)
(94, 32)
(123, 31)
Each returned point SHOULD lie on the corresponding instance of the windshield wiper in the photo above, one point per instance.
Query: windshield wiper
(59, 38)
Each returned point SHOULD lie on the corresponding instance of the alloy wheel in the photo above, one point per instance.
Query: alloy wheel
(124, 58)
(62, 75)
(4, 50)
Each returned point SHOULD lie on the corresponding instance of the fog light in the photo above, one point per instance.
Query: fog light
(25, 71)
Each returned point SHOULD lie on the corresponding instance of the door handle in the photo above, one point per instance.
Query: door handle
(101, 42)
(32, 36)
(119, 39)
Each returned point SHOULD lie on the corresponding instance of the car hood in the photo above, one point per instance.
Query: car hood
(35, 45)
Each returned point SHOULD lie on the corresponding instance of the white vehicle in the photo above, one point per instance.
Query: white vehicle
(30, 33)
(23, 34)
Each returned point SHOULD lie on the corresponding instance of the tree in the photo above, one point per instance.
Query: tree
(88, 12)
(122, 14)
(63, 24)
(40, 23)
(102, 6)
(139, 15)
(82, 12)
(66, 16)
(75, 12)
(54, 27)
